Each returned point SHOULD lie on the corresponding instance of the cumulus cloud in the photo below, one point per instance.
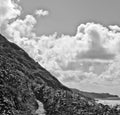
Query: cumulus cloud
(41, 12)
(115, 28)
(93, 43)
(83, 57)
(21, 32)
(77, 76)
(98, 42)
(8, 10)
(22, 27)
(113, 72)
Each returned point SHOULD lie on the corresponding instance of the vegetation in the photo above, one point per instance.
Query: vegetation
(62, 102)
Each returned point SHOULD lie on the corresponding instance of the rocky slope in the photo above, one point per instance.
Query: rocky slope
(23, 82)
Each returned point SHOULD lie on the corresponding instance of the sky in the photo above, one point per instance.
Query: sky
(78, 41)
(65, 15)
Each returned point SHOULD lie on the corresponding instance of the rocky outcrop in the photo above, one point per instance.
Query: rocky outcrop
(24, 85)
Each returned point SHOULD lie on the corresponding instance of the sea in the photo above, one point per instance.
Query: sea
(109, 102)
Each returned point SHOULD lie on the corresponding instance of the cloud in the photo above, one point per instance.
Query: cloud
(23, 27)
(98, 42)
(115, 28)
(77, 77)
(112, 74)
(91, 50)
(83, 57)
(8, 10)
(22, 33)
(41, 12)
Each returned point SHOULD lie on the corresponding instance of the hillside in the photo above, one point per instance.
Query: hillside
(23, 82)
(94, 95)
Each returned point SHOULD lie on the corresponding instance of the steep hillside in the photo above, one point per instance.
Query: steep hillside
(23, 82)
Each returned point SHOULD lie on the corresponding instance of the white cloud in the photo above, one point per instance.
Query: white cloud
(115, 28)
(113, 72)
(77, 76)
(71, 58)
(93, 44)
(21, 33)
(8, 10)
(41, 12)
(23, 28)
(98, 41)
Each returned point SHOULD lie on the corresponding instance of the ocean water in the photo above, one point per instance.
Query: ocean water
(109, 102)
